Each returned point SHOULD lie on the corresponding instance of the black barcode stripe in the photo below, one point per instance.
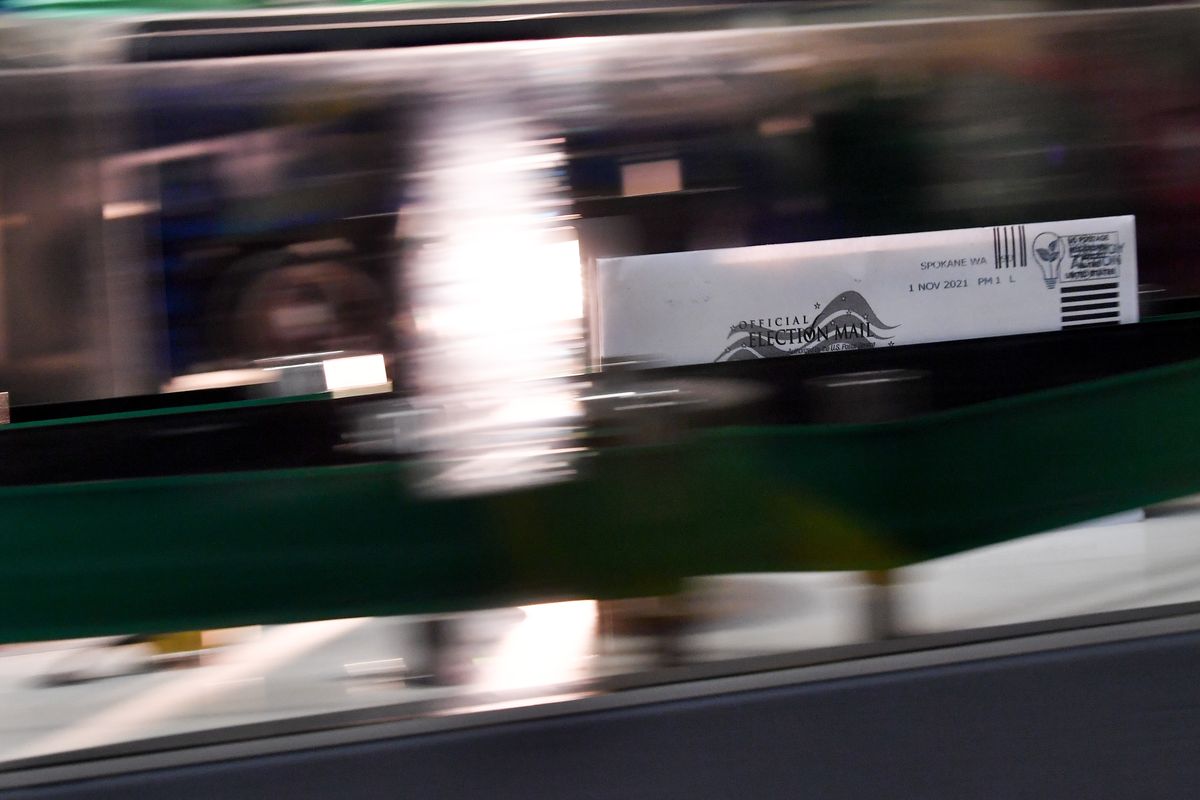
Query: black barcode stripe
(1101, 315)
(1089, 298)
(1009, 246)
(1095, 287)
(1069, 309)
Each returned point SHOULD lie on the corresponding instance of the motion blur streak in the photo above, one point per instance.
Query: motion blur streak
(498, 304)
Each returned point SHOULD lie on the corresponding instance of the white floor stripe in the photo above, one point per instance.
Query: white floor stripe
(134, 717)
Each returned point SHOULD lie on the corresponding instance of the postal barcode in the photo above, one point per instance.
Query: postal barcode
(1008, 246)
(1090, 306)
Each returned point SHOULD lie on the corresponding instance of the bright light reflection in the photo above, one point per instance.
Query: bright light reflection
(498, 305)
(354, 372)
(550, 646)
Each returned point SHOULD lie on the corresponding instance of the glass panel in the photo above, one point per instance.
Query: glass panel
(318, 334)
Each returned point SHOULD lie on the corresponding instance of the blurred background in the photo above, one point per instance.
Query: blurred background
(367, 233)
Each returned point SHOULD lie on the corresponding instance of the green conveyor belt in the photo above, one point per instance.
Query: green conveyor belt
(213, 550)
